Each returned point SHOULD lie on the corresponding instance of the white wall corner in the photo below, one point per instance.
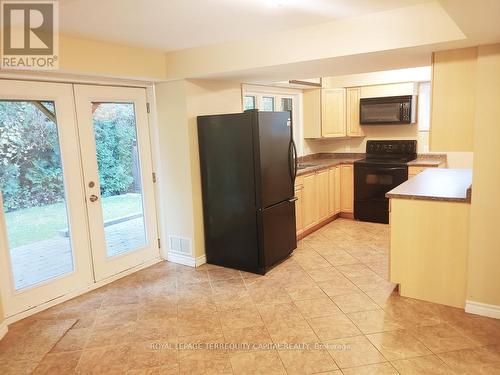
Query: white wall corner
(483, 309)
(3, 329)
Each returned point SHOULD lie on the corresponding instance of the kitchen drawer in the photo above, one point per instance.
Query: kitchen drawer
(413, 171)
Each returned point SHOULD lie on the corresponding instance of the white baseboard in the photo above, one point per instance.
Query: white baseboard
(201, 260)
(3, 329)
(24, 314)
(478, 308)
(186, 260)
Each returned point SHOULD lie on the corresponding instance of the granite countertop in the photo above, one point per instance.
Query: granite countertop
(425, 162)
(318, 162)
(321, 161)
(439, 184)
(428, 160)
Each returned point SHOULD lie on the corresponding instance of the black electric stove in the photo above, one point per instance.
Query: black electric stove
(384, 168)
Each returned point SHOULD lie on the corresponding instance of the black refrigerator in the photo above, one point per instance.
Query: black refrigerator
(248, 165)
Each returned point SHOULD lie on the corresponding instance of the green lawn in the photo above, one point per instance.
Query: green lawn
(35, 224)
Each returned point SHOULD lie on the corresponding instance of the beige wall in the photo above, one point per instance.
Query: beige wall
(484, 249)
(179, 103)
(90, 57)
(175, 162)
(453, 100)
(379, 132)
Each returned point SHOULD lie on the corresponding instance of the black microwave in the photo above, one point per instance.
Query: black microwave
(392, 110)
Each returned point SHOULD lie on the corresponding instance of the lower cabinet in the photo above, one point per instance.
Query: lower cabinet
(299, 209)
(337, 190)
(347, 188)
(414, 170)
(310, 205)
(322, 182)
(333, 191)
(323, 194)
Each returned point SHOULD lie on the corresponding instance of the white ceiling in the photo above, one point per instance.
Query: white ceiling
(178, 24)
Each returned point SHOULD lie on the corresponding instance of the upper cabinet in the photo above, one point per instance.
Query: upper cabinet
(352, 119)
(332, 113)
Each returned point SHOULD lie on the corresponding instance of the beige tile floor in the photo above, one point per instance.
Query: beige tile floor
(333, 291)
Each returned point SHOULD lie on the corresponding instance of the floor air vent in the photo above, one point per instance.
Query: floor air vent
(180, 245)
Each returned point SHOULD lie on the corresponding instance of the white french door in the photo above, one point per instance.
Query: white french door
(77, 199)
(45, 250)
(113, 127)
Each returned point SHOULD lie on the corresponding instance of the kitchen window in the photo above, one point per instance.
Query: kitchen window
(249, 102)
(267, 103)
(268, 98)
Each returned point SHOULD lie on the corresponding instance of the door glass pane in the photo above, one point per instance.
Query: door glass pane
(286, 104)
(119, 176)
(267, 103)
(32, 185)
(249, 102)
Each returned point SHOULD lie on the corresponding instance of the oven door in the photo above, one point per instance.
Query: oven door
(371, 183)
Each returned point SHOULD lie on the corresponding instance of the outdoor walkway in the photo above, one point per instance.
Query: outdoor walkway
(47, 259)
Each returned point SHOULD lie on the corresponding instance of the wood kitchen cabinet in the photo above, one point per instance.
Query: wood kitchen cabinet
(347, 188)
(333, 191)
(332, 113)
(322, 195)
(352, 116)
(310, 202)
(322, 185)
(337, 189)
(299, 221)
(414, 170)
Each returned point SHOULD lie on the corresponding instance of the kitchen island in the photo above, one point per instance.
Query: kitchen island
(429, 219)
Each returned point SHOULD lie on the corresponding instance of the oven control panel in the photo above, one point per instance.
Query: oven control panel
(404, 147)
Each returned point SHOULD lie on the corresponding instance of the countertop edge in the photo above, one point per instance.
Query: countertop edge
(414, 190)
(428, 198)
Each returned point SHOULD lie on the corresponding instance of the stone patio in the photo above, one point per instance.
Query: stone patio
(52, 258)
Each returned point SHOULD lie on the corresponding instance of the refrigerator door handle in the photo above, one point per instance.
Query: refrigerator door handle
(295, 161)
(294, 199)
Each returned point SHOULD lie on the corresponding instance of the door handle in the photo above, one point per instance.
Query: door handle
(295, 160)
(294, 199)
(93, 198)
